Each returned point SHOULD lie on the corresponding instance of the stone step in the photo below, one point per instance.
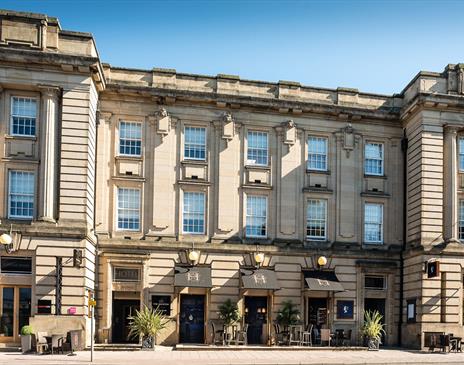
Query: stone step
(10, 347)
(116, 347)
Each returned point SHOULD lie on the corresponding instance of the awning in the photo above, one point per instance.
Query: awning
(196, 276)
(322, 280)
(259, 279)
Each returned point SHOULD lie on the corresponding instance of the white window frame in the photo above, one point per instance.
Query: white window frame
(249, 217)
(195, 144)
(381, 159)
(138, 210)
(194, 213)
(130, 123)
(33, 195)
(461, 153)
(13, 115)
(461, 220)
(381, 224)
(253, 162)
(316, 238)
(316, 153)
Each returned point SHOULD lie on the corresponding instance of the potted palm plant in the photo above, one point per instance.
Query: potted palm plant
(145, 325)
(228, 312)
(26, 338)
(288, 315)
(373, 329)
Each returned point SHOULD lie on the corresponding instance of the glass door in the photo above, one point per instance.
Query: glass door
(15, 310)
(7, 313)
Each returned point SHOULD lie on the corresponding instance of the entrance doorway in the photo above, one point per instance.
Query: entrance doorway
(256, 317)
(375, 304)
(192, 319)
(317, 313)
(122, 310)
(15, 311)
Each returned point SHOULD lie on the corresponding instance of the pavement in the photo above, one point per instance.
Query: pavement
(244, 357)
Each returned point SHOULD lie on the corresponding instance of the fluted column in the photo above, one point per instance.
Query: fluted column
(450, 165)
(49, 151)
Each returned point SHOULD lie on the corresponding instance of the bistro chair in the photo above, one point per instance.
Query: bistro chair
(339, 337)
(325, 336)
(41, 342)
(241, 335)
(347, 338)
(218, 335)
(57, 344)
(306, 336)
(295, 335)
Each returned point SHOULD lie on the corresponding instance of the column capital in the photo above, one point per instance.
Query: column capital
(452, 128)
(50, 91)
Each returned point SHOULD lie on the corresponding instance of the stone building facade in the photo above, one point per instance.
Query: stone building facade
(180, 191)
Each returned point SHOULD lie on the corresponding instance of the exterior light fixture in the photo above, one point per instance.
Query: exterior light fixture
(259, 258)
(6, 240)
(322, 261)
(194, 256)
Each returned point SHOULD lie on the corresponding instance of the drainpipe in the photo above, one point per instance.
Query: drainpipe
(404, 148)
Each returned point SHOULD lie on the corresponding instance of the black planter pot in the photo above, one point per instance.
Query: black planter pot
(148, 343)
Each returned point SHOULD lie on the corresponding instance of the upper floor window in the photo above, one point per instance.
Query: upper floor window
(128, 209)
(257, 148)
(195, 143)
(316, 219)
(23, 116)
(194, 213)
(317, 153)
(21, 189)
(461, 154)
(461, 219)
(373, 159)
(256, 216)
(130, 139)
(373, 223)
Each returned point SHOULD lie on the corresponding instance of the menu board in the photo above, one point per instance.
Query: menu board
(321, 316)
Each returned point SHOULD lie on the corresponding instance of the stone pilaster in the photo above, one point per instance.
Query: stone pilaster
(48, 155)
(450, 203)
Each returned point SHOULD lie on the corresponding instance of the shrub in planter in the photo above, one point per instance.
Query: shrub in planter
(26, 338)
(373, 329)
(228, 312)
(145, 325)
(288, 315)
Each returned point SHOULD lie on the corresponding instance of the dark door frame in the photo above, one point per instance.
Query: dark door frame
(134, 303)
(205, 301)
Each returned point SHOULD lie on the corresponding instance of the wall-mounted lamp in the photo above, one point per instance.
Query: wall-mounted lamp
(321, 261)
(193, 255)
(6, 240)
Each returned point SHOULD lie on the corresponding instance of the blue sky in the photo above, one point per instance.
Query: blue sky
(375, 46)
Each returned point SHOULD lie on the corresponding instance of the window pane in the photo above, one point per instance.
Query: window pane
(317, 153)
(257, 148)
(130, 138)
(316, 219)
(23, 116)
(129, 209)
(373, 159)
(21, 194)
(461, 219)
(194, 213)
(373, 222)
(16, 265)
(256, 216)
(461, 154)
(195, 143)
